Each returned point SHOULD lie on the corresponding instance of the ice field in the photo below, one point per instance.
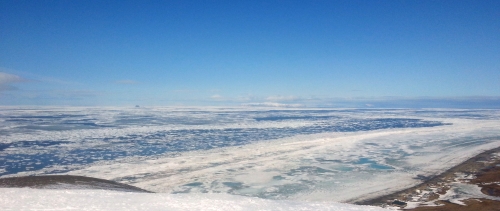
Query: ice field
(313, 155)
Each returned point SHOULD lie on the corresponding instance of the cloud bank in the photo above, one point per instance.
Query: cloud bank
(6, 81)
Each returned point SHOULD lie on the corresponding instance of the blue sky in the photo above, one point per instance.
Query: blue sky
(313, 53)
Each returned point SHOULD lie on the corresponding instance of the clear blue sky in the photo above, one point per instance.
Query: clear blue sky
(314, 53)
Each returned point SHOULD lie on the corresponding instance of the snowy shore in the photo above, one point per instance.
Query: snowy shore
(472, 185)
(14, 199)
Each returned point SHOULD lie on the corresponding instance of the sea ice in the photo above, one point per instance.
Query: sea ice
(295, 154)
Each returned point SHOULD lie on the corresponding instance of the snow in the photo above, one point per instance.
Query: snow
(93, 200)
(461, 191)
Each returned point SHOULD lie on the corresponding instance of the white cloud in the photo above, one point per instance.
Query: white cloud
(216, 97)
(126, 82)
(273, 104)
(247, 98)
(70, 94)
(7, 79)
(281, 98)
(183, 91)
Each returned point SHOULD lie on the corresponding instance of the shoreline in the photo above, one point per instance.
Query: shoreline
(482, 170)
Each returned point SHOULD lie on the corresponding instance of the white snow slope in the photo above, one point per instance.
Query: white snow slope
(86, 200)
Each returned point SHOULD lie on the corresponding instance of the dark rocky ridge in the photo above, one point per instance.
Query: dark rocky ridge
(67, 182)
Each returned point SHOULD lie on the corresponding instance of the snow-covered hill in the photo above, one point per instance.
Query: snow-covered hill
(108, 200)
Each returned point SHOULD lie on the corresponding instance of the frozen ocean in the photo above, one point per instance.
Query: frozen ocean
(313, 155)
